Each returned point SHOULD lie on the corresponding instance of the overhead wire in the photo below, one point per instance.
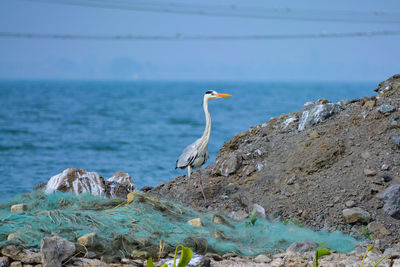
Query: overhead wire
(254, 13)
(181, 37)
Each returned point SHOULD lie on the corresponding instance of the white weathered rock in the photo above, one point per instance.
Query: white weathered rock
(258, 211)
(77, 181)
(315, 113)
(120, 184)
(197, 260)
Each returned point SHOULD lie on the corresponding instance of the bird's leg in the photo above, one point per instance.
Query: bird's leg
(188, 188)
(201, 187)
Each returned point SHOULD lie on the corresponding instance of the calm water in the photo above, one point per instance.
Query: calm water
(136, 127)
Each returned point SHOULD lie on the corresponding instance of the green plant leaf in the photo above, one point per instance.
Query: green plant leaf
(323, 252)
(321, 245)
(150, 263)
(186, 256)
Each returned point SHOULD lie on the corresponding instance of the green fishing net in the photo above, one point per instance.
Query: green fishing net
(144, 223)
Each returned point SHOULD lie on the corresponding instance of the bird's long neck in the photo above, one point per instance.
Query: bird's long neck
(207, 130)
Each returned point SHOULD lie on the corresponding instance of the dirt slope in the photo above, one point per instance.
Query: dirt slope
(344, 159)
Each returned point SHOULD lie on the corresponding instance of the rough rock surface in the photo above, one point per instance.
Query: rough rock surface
(391, 196)
(55, 250)
(259, 166)
(80, 181)
(119, 185)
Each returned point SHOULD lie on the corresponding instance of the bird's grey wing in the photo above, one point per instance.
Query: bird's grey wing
(187, 157)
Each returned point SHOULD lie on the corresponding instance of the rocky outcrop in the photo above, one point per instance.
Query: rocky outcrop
(80, 181)
(308, 166)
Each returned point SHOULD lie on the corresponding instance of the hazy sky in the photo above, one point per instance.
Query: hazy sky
(355, 58)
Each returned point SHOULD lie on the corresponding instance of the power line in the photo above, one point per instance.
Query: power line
(180, 37)
(182, 9)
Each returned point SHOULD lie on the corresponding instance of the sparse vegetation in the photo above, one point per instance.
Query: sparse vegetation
(186, 256)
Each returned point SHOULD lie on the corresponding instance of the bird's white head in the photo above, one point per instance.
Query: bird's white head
(213, 94)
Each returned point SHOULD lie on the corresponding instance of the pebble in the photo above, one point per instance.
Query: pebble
(314, 134)
(396, 139)
(195, 222)
(370, 103)
(369, 172)
(386, 178)
(18, 208)
(385, 167)
(87, 240)
(262, 259)
(386, 109)
(353, 215)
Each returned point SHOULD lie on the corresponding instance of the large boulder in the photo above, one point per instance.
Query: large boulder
(55, 250)
(314, 113)
(391, 196)
(119, 185)
(77, 181)
(80, 181)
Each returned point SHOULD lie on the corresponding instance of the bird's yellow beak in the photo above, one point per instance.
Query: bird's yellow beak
(223, 95)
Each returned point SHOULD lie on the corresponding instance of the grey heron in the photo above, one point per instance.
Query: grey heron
(196, 154)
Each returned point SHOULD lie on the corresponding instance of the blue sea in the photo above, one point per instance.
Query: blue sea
(139, 127)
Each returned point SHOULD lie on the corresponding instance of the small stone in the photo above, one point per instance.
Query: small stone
(258, 211)
(322, 101)
(365, 155)
(278, 262)
(18, 208)
(11, 251)
(386, 178)
(356, 214)
(369, 172)
(386, 109)
(396, 139)
(350, 203)
(217, 219)
(146, 188)
(314, 134)
(214, 256)
(262, 259)
(195, 222)
(16, 264)
(87, 240)
(370, 103)
(301, 247)
(385, 167)
(378, 230)
(10, 237)
(4, 261)
(136, 254)
(291, 180)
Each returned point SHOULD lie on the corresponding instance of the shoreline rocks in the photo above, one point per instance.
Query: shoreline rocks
(80, 181)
